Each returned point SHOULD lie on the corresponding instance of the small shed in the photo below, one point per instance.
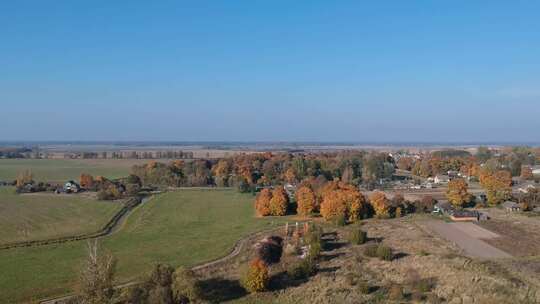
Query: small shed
(510, 206)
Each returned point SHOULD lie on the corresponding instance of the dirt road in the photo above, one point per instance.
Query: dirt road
(468, 237)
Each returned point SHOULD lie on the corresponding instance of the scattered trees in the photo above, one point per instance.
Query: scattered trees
(341, 201)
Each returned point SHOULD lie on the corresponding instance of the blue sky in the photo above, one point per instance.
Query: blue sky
(270, 70)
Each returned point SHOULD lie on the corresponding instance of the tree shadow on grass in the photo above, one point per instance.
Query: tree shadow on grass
(329, 257)
(282, 280)
(331, 246)
(218, 290)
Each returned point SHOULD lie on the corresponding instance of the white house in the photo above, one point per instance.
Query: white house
(441, 179)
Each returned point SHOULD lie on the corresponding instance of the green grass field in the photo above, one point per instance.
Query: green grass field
(60, 170)
(45, 215)
(186, 227)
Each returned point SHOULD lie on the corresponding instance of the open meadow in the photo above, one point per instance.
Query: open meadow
(60, 170)
(39, 216)
(185, 227)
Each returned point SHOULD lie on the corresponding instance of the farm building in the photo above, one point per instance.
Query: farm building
(465, 216)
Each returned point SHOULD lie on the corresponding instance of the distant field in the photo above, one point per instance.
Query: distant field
(186, 227)
(59, 170)
(41, 216)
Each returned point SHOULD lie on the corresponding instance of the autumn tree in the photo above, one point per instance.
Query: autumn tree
(86, 181)
(262, 202)
(340, 200)
(279, 202)
(498, 185)
(221, 172)
(526, 173)
(305, 200)
(290, 176)
(457, 192)
(256, 277)
(380, 204)
(405, 163)
(23, 178)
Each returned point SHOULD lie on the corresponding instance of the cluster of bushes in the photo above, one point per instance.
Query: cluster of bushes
(270, 250)
(380, 251)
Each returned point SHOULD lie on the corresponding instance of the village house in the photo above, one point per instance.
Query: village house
(71, 187)
(443, 208)
(441, 179)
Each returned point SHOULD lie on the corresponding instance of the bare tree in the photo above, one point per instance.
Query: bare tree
(96, 277)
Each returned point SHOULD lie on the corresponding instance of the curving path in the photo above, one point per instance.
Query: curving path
(237, 248)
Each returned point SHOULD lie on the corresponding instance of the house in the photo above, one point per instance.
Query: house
(465, 216)
(441, 179)
(510, 206)
(71, 186)
(536, 170)
(443, 208)
(525, 188)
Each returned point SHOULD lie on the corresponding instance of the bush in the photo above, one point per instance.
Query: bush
(371, 250)
(384, 253)
(270, 250)
(302, 269)
(340, 220)
(256, 277)
(358, 237)
(185, 286)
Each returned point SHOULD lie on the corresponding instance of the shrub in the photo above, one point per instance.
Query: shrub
(339, 220)
(185, 286)
(256, 277)
(302, 269)
(270, 250)
(384, 253)
(358, 237)
(371, 250)
(315, 249)
(314, 240)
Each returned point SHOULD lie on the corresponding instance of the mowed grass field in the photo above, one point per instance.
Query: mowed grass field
(61, 170)
(41, 216)
(186, 227)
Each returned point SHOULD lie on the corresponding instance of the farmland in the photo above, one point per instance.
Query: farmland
(181, 228)
(60, 170)
(42, 216)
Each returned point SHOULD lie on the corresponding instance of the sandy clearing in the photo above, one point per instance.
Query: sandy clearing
(472, 246)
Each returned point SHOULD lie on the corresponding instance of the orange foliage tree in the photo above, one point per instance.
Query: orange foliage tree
(86, 181)
(279, 202)
(380, 204)
(457, 192)
(262, 202)
(290, 176)
(498, 185)
(340, 200)
(23, 178)
(306, 200)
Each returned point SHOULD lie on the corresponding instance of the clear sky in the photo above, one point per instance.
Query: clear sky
(270, 70)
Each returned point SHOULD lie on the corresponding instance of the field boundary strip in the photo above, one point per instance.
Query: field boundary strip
(129, 205)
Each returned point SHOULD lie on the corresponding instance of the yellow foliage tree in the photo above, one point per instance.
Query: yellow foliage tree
(256, 278)
(498, 185)
(305, 200)
(86, 181)
(380, 204)
(23, 178)
(279, 202)
(290, 176)
(457, 192)
(262, 202)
